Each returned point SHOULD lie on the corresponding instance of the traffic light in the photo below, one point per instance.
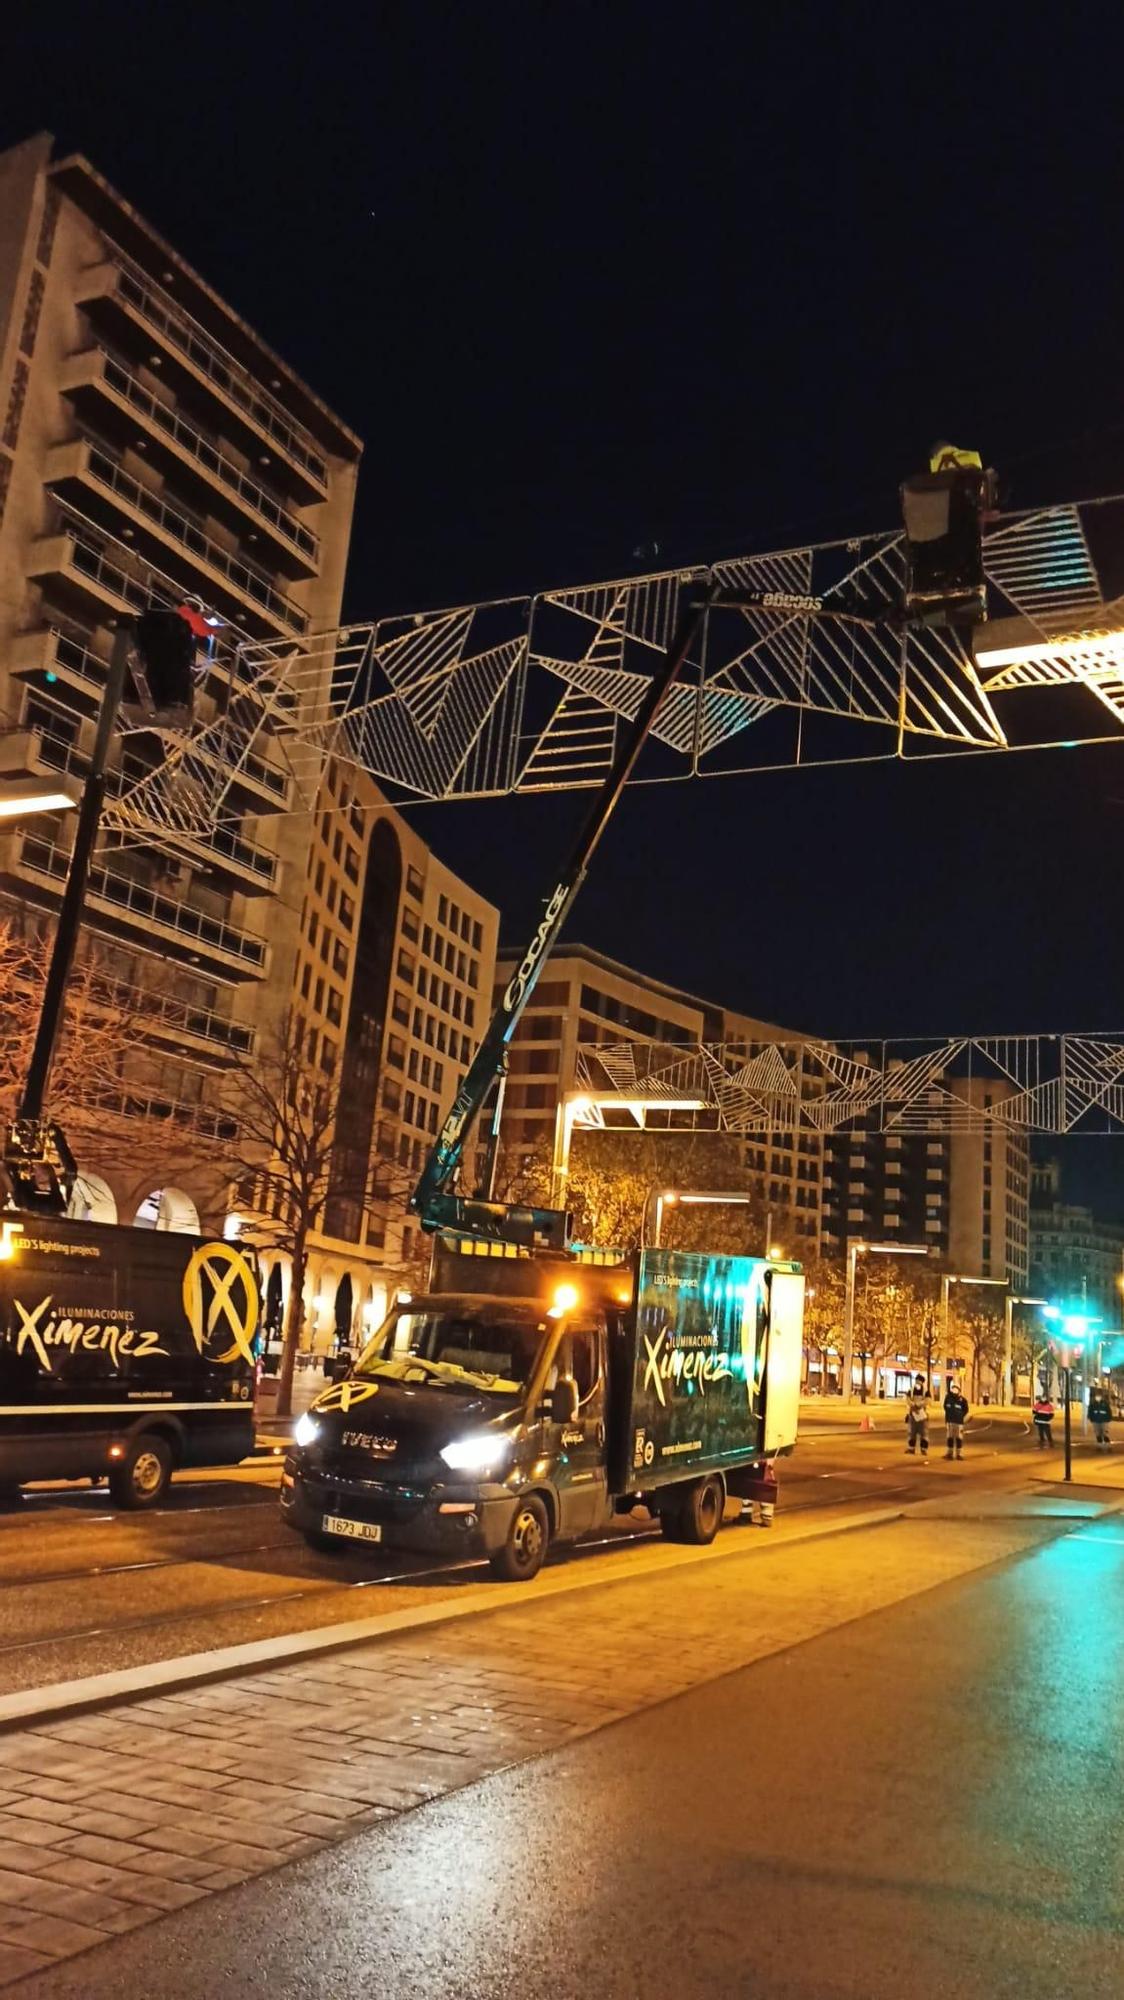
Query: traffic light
(162, 663)
(943, 512)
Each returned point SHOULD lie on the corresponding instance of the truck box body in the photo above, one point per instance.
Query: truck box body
(105, 1331)
(696, 1344)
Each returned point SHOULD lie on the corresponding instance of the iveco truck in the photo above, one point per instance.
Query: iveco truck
(529, 1398)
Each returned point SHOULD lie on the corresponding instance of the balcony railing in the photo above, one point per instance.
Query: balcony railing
(204, 450)
(43, 857)
(245, 578)
(214, 362)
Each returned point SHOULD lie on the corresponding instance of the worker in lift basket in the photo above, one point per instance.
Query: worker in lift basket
(759, 1499)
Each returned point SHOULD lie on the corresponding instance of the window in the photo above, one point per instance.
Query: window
(412, 1066)
(408, 1107)
(337, 845)
(410, 926)
(347, 909)
(339, 958)
(473, 973)
(400, 1010)
(306, 981)
(442, 909)
(416, 1026)
(477, 937)
(438, 1075)
(332, 897)
(396, 1051)
(327, 1057)
(406, 964)
(456, 999)
(426, 1067)
(427, 940)
(392, 1094)
(320, 878)
(470, 1012)
(432, 1119)
(403, 1149)
(414, 882)
(313, 928)
(318, 1003)
(351, 865)
(335, 1006)
(578, 1356)
(442, 1036)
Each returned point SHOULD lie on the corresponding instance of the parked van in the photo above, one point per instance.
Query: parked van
(124, 1353)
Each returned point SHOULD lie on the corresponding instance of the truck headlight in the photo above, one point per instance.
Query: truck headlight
(307, 1429)
(478, 1452)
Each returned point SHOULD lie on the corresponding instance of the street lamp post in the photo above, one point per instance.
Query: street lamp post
(853, 1253)
(949, 1279)
(1075, 1330)
(1012, 1300)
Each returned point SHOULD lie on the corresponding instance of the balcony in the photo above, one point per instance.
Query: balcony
(115, 402)
(127, 905)
(161, 1018)
(117, 296)
(85, 470)
(53, 655)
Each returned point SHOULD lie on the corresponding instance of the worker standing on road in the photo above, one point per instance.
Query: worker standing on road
(1100, 1415)
(917, 1417)
(955, 1417)
(759, 1500)
(1043, 1418)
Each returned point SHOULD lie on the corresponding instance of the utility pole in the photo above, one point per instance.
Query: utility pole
(74, 894)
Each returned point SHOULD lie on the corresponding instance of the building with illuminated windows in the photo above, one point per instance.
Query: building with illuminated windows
(584, 996)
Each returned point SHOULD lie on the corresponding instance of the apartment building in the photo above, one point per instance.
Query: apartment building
(152, 447)
(1073, 1256)
(394, 969)
(964, 1194)
(586, 997)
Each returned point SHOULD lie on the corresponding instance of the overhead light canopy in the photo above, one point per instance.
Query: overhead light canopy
(21, 796)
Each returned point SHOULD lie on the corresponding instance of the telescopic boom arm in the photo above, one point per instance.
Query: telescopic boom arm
(437, 1208)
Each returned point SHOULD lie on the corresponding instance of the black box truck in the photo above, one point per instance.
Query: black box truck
(529, 1397)
(124, 1353)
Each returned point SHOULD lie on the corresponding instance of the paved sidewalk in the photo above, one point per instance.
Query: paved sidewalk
(111, 1819)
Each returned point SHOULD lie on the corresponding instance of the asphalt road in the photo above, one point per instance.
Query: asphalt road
(924, 1799)
(86, 1590)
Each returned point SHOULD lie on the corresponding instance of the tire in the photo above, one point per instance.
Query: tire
(528, 1538)
(141, 1478)
(700, 1513)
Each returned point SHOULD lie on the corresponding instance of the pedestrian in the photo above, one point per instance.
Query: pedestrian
(1043, 1418)
(1100, 1415)
(917, 1417)
(955, 1417)
(759, 1495)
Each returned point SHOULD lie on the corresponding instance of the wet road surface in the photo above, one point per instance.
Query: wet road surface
(922, 1799)
(84, 1589)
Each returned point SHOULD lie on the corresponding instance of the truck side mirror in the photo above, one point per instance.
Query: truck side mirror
(564, 1400)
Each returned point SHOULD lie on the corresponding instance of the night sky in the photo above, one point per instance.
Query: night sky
(593, 279)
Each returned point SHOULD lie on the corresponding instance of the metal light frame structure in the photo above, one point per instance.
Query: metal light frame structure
(1056, 1084)
(516, 696)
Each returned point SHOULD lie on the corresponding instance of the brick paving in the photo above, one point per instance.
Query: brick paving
(108, 1820)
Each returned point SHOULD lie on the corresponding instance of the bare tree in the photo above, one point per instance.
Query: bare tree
(287, 1165)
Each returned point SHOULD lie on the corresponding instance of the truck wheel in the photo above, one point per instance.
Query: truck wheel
(700, 1515)
(141, 1478)
(528, 1539)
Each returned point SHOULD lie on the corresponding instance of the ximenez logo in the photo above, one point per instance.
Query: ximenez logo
(665, 1363)
(76, 1332)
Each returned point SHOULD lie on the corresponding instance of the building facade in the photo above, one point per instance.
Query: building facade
(965, 1195)
(1074, 1258)
(152, 448)
(586, 997)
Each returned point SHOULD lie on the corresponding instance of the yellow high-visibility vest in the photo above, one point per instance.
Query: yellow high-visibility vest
(947, 458)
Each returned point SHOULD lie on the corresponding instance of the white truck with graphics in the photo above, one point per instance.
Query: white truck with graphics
(124, 1354)
(533, 1397)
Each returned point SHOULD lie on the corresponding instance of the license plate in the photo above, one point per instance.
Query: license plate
(358, 1531)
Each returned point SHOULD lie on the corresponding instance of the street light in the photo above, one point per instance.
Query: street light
(1012, 1300)
(853, 1252)
(21, 796)
(949, 1279)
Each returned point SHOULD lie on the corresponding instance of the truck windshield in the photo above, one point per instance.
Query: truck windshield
(493, 1352)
